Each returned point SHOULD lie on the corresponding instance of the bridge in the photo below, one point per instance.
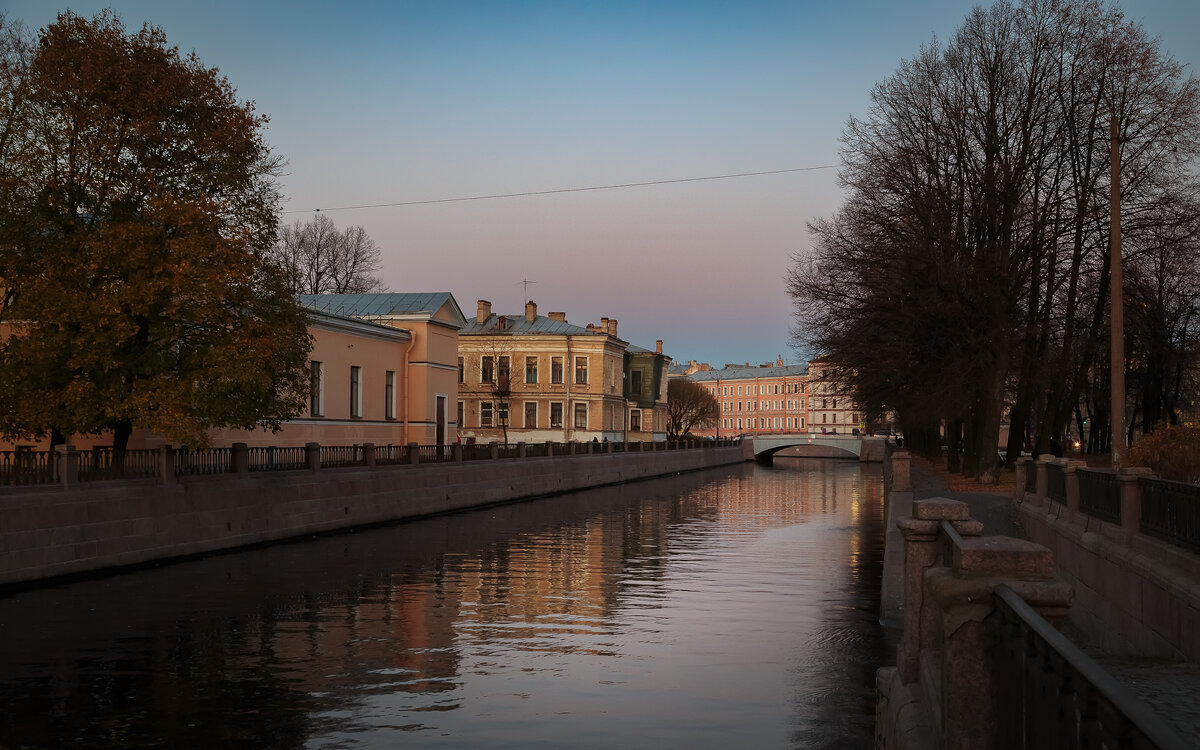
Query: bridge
(819, 445)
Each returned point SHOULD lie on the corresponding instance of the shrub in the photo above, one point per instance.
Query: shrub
(1172, 452)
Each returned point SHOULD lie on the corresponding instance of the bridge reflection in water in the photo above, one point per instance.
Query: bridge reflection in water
(732, 606)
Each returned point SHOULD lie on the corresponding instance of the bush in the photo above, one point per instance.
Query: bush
(1172, 452)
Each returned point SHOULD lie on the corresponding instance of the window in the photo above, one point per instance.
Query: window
(504, 368)
(635, 381)
(530, 414)
(739, 390)
(581, 416)
(389, 394)
(556, 414)
(460, 369)
(531, 369)
(739, 423)
(581, 370)
(487, 370)
(502, 412)
(556, 369)
(635, 420)
(355, 392)
(316, 382)
(485, 414)
(459, 420)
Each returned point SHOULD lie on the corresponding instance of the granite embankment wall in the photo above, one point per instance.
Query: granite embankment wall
(49, 532)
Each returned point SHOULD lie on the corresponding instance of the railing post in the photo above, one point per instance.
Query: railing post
(68, 461)
(312, 456)
(922, 550)
(1022, 467)
(608, 447)
(1071, 483)
(1040, 493)
(368, 450)
(1131, 501)
(239, 458)
(414, 453)
(458, 452)
(521, 449)
(166, 465)
(493, 450)
(549, 449)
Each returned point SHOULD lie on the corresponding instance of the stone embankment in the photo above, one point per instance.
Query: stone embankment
(47, 532)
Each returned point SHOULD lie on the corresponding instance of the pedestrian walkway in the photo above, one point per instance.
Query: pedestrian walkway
(1171, 688)
(991, 507)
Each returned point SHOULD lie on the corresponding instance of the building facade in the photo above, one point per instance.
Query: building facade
(533, 378)
(763, 399)
(382, 370)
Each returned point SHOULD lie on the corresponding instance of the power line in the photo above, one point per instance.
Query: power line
(562, 190)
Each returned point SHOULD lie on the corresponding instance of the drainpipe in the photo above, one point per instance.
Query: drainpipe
(407, 381)
(568, 373)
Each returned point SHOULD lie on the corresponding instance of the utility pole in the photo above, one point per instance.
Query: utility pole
(1117, 302)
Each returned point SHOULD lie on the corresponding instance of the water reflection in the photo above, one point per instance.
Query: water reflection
(730, 605)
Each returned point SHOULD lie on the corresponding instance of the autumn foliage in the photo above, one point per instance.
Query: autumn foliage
(137, 202)
(1171, 452)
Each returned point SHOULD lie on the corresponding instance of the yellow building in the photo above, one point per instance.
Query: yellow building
(532, 378)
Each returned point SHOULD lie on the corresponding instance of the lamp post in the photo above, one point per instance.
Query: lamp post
(1117, 313)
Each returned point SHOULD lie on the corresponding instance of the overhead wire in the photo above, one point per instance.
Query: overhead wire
(559, 190)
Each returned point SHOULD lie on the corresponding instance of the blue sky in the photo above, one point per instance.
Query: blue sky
(390, 102)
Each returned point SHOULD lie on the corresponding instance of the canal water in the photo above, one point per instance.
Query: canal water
(731, 607)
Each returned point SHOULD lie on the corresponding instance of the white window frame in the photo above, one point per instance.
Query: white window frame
(356, 389)
(316, 402)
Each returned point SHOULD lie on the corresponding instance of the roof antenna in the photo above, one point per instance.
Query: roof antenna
(526, 282)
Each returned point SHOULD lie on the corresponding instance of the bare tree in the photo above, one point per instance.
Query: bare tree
(966, 275)
(321, 260)
(689, 405)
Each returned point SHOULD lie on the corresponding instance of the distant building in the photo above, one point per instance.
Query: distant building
(535, 378)
(762, 399)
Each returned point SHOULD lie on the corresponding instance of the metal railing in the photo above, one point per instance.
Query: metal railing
(278, 459)
(1171, 511)
(1058, 697)
(1056, 482)
(203, 462)
(434, 454)
(26, 467)
(1099, 494)
(389, 455)
(342, 455)
(29, 467)
(99, 464)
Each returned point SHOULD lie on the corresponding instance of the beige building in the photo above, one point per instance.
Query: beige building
(534, 378)
(382, 370)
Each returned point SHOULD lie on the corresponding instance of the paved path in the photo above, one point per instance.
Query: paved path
(996, 512)
(1171, 688)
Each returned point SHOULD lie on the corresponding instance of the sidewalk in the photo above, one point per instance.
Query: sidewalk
(992, 505)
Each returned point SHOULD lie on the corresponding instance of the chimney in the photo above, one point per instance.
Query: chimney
(604, 324)
(561, 317)
(530, 310)
(612, 327)
(658, 346)
(483, 311)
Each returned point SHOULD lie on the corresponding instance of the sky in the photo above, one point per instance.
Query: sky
(408, 102)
